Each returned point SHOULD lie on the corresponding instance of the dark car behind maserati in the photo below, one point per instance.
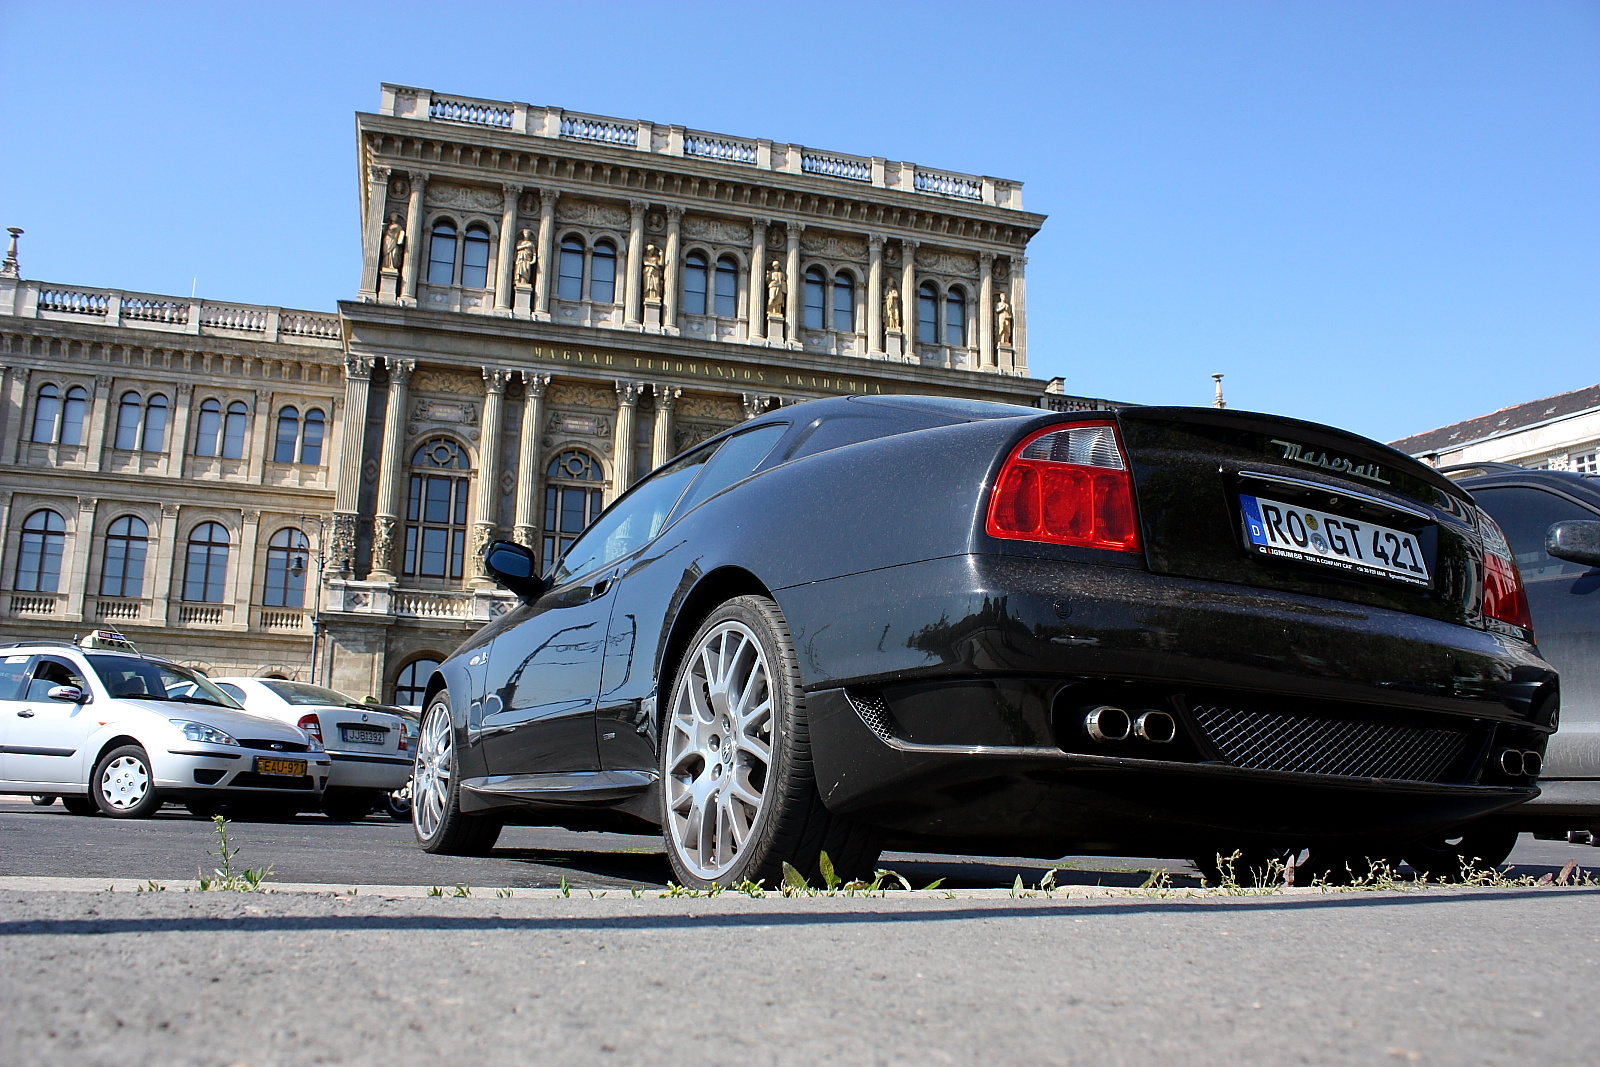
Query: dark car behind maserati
(945, 625)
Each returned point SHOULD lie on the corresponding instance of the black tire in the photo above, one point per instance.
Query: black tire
(201, 809)
(42, 800)
(349, 805)
(791, 825)
(398, 804)
(436, 816)
(1450, 858)
(123, 784)
(80, 805)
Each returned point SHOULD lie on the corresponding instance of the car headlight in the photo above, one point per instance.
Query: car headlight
(199, 731)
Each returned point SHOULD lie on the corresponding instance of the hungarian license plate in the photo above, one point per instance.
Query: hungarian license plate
(1289, 531)
(363, 737)
(268, 765)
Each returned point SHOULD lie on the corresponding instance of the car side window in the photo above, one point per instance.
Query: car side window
(232, 690)
(50, 672)
(738, 456)
(633, 521)
(13, 669)
(1525, 514)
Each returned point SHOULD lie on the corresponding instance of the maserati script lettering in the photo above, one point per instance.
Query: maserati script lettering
(1298, 454)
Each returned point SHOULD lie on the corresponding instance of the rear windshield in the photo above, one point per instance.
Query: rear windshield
(128, 676)
(306, 693)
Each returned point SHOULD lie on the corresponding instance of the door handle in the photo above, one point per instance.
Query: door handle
(25, 713)
(602, 586)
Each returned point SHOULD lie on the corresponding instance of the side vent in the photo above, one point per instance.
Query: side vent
(874, 711)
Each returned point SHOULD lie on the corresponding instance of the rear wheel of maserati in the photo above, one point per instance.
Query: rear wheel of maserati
(436, 816)
(739, 796)
(1450, 858)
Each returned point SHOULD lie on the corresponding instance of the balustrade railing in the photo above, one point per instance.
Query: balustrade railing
(73, 302)
(229, 317)
(200, 614)
(322, 327)
(719, 148)
(856, 170)
(117, 610)
(28, 604)
(155, 309)
(930, 181)
(471, 112)
(433, 606)
(173, 314)
(605, 131)
(283, 620)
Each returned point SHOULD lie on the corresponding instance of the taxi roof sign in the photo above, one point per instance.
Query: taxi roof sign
(109, 640)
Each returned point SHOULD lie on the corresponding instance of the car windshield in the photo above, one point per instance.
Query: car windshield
(305, 693)
(128, 676)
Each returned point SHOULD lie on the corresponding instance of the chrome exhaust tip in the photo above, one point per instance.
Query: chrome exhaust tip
(1511, 761)
(1157, 727)
(1532, 763)
(1106, 723)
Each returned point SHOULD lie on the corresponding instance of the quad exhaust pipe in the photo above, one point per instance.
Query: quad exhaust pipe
(1520, 763)
(1105, 723)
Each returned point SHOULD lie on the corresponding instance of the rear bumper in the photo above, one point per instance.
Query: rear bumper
(362, 771)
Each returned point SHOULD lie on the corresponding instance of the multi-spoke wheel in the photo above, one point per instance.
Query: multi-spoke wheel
(436, 813)
(123, 785)
(738, 795)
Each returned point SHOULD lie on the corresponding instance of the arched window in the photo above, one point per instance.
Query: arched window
(727, 287)
(603, 280)
(288, 435)
(209, 432)
(72, 414)
(412, 685)
(44, 533)
(928, 315)
(694, 284)
(816, 299)
(130, 413)
(442, 253)
(311, 439)
(569, 285)
(475, 258)
(844, 303)
(127, 543)
(233, 430)
(573, 498)
(154, 438)
(205, 569)
(288, 554)
(955, 317)
(436, 516)
(46, 413)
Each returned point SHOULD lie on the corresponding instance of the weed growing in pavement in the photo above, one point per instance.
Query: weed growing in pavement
(566, 890)
(637, 891)
(504, 894)
(436, 891)
(152, 886)
(227, 879)
(462, 890)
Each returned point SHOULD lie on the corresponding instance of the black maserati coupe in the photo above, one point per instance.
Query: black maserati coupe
(951, 626)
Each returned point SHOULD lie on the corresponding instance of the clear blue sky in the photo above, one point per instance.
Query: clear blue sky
(1382, 216)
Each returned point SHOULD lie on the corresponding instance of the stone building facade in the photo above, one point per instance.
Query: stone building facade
(1560, 432)
(551, 304)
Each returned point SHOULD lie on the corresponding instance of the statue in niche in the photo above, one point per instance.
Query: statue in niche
(652, 273)
(1002, 319)
(777, 289)
(526, 257)
(394, 243)
(891, 309)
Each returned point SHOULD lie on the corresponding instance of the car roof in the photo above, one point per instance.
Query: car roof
(1581, 487)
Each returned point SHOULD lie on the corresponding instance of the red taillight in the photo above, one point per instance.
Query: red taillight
(403, 745)
(311, 725)
(1067, 486)
(1504, 598)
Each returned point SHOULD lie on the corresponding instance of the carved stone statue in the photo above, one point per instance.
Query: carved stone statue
(891, 308)
(777, 289)
(1002, 320)
(382, 543)
(394, 243)
(652, 273)
(526, 257)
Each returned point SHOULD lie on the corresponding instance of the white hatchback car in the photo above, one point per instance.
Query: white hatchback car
(368, 745)
(121, 733)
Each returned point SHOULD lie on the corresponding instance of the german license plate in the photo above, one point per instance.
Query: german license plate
(363, 737)
(1289, 531)
(268, 765)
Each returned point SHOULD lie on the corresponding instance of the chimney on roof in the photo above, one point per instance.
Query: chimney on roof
(1218, 402)
(10, 268)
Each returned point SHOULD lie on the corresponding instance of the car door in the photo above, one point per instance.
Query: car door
(543, 674)
(46, 737)
(1564, 599)
(13, 672)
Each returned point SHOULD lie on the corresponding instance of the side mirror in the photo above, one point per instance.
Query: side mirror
(514, 567)
(69, 693)
(1574, 540)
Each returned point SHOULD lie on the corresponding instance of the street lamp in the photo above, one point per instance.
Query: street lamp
(297, 567)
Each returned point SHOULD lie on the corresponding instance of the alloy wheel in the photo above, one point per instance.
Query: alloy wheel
(124, 782)
(719, 749)
(430, 784)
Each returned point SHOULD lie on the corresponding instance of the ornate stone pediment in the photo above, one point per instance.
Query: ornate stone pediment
(721, 231)
(438, 380)
(592, 214)
(819, 244)
(580, 395)
(710, 407)
(947, 262)
(465, 197)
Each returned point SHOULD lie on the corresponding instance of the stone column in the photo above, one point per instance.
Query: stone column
(99, 413)
(372, 239)
(633, 291)
(757, 312)
(622, 445)
(16, 399)
(166, 550)
(244, 580)
(178, 432)
(547, 258)
(527, 522)
(83, 539)
(672, 270)
(258, 436)
(792, 269)
(875, 296)
(508, 244)
(391, 470)
(1019, 313)
(5, 526)
(986, 357)
(486, 502)
(910, 302)
(411, 265)
(666, 400)
(352, 441)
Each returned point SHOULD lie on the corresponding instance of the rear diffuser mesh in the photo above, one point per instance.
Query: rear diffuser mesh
(1310, 744)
